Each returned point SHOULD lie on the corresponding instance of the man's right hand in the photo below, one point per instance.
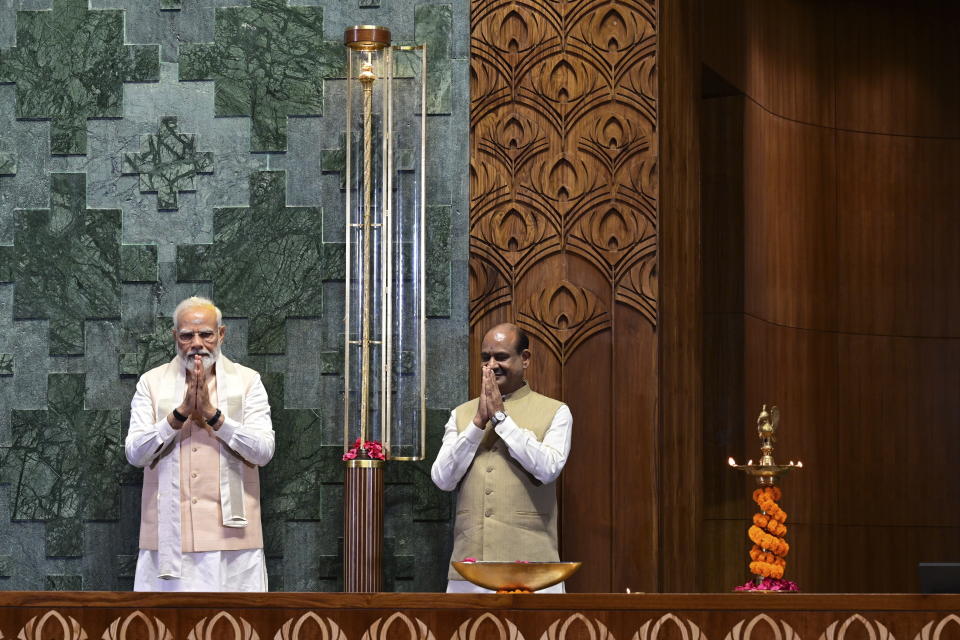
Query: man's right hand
(189, 403)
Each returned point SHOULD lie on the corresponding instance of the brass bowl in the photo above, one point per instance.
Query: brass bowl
(524, 576)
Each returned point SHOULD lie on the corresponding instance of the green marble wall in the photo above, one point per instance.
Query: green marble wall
(155, 149)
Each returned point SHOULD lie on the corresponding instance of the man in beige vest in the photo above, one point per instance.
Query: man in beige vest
(504, 450)
(200, 428)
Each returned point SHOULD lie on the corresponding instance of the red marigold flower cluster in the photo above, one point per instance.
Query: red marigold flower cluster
(371, 448)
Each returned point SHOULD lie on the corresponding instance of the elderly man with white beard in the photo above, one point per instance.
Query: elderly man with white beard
(200, 428)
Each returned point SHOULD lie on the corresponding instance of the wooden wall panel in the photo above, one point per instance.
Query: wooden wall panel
(563, 241)
(780, 53)
(681, 297)
(588, 485)
(790, 246)
(885, 558)
(898, 213)
(721, 189)
(723, 416)
(851, 277)
(898, 417)
(635, 505)
(897, 67)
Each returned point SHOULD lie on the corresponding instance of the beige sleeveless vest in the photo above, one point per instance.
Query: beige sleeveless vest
(504, 513)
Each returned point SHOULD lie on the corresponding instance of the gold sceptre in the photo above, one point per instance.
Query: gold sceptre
(366, 78)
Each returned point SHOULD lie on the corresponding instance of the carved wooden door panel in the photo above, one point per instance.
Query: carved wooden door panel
(563, 241)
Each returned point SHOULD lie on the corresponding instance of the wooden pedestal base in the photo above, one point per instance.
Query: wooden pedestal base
(363, 526)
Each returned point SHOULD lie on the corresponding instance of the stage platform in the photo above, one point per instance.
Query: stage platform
(435, 616)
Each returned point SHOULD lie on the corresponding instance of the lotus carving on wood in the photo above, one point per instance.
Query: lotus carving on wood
(512, 141)
(614, 29)
(638, 287)
(506, 29)
(398, 626)
(874, 629)
(687, 629)
(563, 81)
(563, 316)
(310, 626)
(137, 625)
(577, 626)
(513, 228)
(487, 627)
(561, 178)
(52, 624)
(931, 632)
(223, 626)
(743, 630)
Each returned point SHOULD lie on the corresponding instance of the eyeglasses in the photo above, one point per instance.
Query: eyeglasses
(187, 337)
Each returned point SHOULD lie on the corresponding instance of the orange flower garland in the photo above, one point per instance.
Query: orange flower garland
(767, 533)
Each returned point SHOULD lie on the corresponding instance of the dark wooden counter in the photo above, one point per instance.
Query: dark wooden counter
(425, 616)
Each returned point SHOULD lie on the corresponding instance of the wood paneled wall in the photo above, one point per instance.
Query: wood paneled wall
(563, 241)
(840, 300)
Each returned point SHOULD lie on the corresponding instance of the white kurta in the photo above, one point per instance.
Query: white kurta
(253, 439)
(244, 570)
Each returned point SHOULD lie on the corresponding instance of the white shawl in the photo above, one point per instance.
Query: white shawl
(230, 395)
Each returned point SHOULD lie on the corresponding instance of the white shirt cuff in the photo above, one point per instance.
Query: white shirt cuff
(506, 428)
(165, 431)
(227, 430)
(472, 434)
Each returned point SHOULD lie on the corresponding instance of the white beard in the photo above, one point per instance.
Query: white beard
(208, 360)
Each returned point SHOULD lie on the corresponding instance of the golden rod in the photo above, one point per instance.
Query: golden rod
(423, 253)
(387, 265)
(366, 79)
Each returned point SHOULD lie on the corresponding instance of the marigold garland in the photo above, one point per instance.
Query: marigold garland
(767, 533)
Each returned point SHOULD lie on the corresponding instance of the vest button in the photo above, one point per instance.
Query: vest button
(193, 500)
(193, 475)
(489, 469)
(194, 449)
(488, 491)
(488, 513)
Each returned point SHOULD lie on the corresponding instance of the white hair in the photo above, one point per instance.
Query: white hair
(190, 303)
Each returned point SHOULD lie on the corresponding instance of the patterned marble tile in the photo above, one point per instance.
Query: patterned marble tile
(63, 460)
(168, 163)
(70, 79)
(168, 23)
(268, 62)
(283, 265)
(64, 583)
(6, 364)
(438, 261)
(138, 263)
(434, 24)
(8, 164)
(84, 280)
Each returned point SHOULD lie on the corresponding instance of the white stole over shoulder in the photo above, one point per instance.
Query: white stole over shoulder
(230, 401)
